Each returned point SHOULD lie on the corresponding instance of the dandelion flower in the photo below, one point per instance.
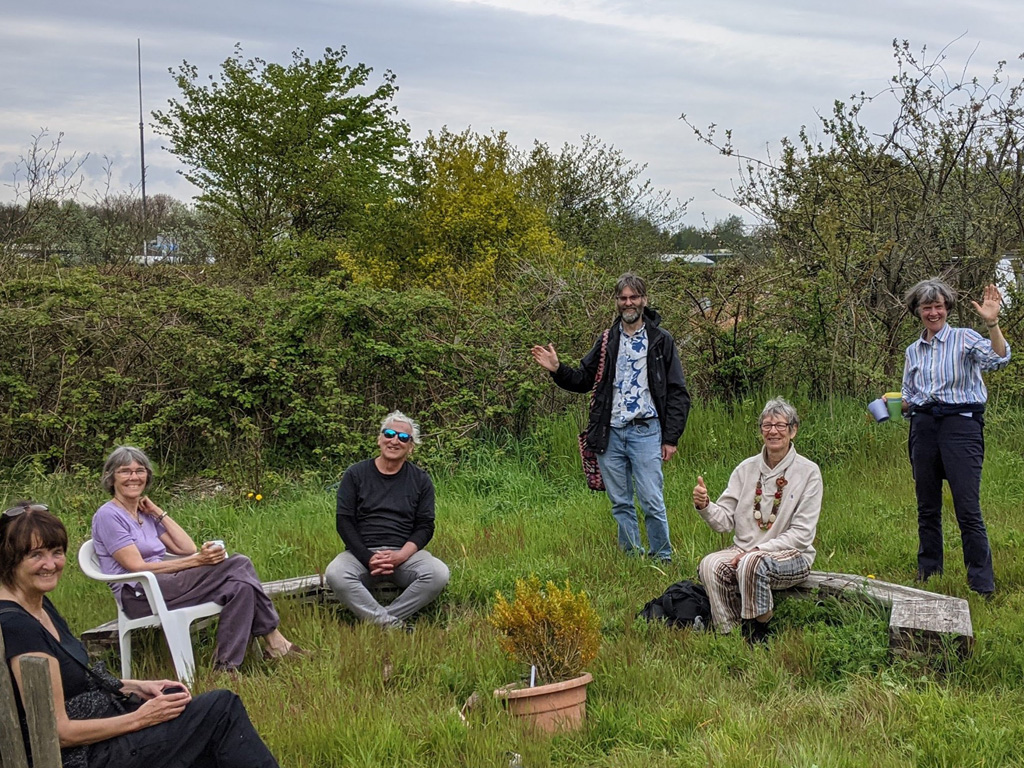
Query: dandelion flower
(259, 497)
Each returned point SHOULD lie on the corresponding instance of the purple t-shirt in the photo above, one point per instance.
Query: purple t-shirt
(114, 529)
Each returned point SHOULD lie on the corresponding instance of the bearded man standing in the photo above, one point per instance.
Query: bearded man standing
(637, 415)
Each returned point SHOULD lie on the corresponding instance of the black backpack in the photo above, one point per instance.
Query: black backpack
(684, 604)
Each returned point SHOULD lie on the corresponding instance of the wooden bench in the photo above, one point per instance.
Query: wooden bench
(920, 622)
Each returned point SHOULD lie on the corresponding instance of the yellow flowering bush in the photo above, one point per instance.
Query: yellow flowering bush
(552, 628)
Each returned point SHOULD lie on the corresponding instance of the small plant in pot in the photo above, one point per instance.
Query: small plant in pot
(556, 633)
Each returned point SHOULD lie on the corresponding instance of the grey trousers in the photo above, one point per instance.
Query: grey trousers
(745, 592)
(233, 584)
(421, 578)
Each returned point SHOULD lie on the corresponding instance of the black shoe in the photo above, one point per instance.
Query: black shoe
(756, 632)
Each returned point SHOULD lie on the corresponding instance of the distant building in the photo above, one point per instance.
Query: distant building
(1006, 278)
(698, 259)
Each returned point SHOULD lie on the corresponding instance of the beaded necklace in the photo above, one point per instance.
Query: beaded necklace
(766, 525)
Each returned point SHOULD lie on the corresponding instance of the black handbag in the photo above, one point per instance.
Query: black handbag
(684, 604)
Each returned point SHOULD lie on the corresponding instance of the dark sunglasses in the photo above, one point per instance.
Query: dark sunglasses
(15, 511)
(403, 437)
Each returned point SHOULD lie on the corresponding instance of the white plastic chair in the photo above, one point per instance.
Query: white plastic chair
(175, 623)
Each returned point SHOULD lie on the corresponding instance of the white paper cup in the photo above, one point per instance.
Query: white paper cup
(219, 543)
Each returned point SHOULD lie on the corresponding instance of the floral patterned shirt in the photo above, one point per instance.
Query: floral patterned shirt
(631, 395)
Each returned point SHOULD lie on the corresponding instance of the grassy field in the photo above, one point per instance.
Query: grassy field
(825, 692)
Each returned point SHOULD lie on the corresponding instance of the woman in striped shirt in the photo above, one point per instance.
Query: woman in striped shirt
(944, 395)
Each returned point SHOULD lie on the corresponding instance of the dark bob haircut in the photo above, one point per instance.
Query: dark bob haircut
(22, 533)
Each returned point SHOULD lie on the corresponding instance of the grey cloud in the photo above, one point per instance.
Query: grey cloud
(621, 71)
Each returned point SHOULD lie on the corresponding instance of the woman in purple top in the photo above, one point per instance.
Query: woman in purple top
(133, 534)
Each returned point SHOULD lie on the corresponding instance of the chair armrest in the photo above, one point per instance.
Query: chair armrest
(147, 579)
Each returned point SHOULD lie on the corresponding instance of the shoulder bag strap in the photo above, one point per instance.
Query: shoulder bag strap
(600, 367)
(603, 359)
(100, 681)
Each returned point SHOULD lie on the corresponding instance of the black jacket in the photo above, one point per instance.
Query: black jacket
(664, 377)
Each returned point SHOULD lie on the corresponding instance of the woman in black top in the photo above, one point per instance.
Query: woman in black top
(95, 726)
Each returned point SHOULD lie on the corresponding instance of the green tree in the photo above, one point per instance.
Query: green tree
(43, 178)
(728, 233)
(467, 222)
(854, 219)
(301, 149)
(182, 232)
(599, 200)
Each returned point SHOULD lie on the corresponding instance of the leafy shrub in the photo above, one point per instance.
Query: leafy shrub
(554, 629)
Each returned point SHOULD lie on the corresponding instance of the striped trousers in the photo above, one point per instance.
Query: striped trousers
(745, 592)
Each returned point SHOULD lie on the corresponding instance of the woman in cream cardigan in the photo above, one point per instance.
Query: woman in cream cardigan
(771, 505)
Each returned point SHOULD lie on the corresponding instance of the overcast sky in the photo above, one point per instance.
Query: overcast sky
(551, 70)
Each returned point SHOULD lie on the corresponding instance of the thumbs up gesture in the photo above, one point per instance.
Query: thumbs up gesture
(700, 494)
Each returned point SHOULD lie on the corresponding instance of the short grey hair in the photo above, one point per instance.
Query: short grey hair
(928, 292)
(122, 456)
(399, 416)
(778, 406)
(634, 282)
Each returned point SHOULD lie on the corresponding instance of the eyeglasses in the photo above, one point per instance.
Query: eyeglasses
(125, 472)
(627, 299)
(780, 427)
(20, 510)
(403, 437)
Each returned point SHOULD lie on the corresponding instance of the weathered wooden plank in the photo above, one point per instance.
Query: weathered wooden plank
(845, 583)
(12, 745)
(919, 621)
(931, 626)
(300, 588)
(39, 712)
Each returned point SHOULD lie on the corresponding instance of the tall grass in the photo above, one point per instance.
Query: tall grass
(825, 691)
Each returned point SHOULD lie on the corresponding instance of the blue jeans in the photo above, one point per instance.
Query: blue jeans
(633, 462)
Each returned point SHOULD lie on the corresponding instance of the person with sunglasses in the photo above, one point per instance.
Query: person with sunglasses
(101, 720)
(771, 506)
(132, 534)
(385, 517)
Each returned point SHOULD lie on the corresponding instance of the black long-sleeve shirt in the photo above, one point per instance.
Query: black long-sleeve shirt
(377, 510)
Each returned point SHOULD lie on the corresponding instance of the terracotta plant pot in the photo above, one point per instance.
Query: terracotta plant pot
(550, 708)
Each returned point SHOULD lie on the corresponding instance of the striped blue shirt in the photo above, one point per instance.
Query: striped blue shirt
(948, 368)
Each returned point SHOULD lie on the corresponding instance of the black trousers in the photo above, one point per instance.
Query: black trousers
(951, 448)
(214, 731)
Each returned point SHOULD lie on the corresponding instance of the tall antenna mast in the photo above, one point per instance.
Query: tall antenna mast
(142, 159)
